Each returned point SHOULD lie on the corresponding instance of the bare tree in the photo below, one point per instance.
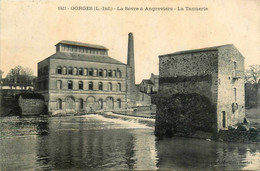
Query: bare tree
(20, 74)
(252, 76)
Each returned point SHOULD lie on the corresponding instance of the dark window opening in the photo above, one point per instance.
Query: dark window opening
(70, 85)
(90, 85)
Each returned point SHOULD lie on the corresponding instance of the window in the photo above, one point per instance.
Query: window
(90, 85)
(70, 85)
(109, 73)
(105, 73)
(70, 70)
(100, 102)
(80, 85)
(64, 70)
(118, 88)
(119, 74)
(95, 72)
(59, 104)
(118, 103)
(59, 70)
(114, 73)
(59, 84)
(75, 72)
(90, 73)
(100, 73)
(80, 71)
(100, 86)
(81, 103)
(109, 87)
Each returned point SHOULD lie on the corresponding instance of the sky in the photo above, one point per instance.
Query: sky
(31, 28)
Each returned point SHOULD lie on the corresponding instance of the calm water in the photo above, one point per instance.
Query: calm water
(95, 142)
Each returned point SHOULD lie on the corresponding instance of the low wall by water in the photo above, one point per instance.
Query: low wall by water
(239, 136)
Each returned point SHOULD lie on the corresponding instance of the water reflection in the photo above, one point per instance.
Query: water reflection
(94, 142)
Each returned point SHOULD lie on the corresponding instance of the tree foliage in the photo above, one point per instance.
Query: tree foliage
(20, 74)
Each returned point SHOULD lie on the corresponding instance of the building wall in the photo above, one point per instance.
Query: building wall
(230, 81)
(189, 73)
(32, 106)
(63, 93)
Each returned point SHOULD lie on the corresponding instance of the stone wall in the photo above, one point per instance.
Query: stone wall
(239, 136)
(32, 105)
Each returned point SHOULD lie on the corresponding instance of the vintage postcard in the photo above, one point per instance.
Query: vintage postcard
(129, 85)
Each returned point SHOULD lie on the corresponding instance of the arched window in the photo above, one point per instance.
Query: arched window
(90, 72)
(90, 85)
(109, 73)
(100, 73)
(75, 71)
(114, 73)
(59, 104)
(64, 70)
(119, 74)
(59, 70)
(86, 71)
(100, 102)
(81, 104)
(109, 87)
(118, 88)
(118, 103)
(70, 70)
(70, 85)
(100, 86)
(80, 71)
(105, 73)
(95, 72)
(58, 84)
(80, 85)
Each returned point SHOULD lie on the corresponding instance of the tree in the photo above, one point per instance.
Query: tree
(20, 74)
(252, 76)
(1, 73)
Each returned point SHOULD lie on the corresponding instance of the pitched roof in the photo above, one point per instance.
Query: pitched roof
(147, 81)
(68, 42)
(214, 48)
(85, 57)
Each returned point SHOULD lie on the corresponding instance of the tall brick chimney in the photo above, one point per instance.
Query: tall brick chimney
(131, 69)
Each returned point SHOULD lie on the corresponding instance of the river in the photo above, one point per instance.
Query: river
(96, 142)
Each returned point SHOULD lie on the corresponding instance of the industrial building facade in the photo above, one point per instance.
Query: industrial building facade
(215, 73)
(81, 77)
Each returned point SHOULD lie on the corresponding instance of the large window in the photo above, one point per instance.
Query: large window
(118, 87)
(118, 103)
(109, 73)
(81, 103)
(70, 85)
(109, 86)
(90, 72)
(80, 71)
(59, 70)
(100, 86)
(100, 73)
(90, 85)
(70, 70)
(59, 84)
(80, 85)
(59, 104)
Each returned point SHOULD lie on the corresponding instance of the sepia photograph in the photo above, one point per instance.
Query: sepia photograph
(129, 85)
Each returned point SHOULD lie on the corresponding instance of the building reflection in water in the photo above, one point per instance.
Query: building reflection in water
(86, 143)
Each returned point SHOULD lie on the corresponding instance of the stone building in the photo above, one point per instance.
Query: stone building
(214, 73)
(150, 86)
(81, 77)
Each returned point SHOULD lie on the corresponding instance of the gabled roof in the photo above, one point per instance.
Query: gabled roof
(85, 57)
(214, 48)
(147, 81)
(68, 42)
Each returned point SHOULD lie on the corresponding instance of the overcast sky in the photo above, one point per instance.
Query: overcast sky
(31, 28)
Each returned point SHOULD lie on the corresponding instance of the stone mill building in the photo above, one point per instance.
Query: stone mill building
(82, 77)
(207, 90)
